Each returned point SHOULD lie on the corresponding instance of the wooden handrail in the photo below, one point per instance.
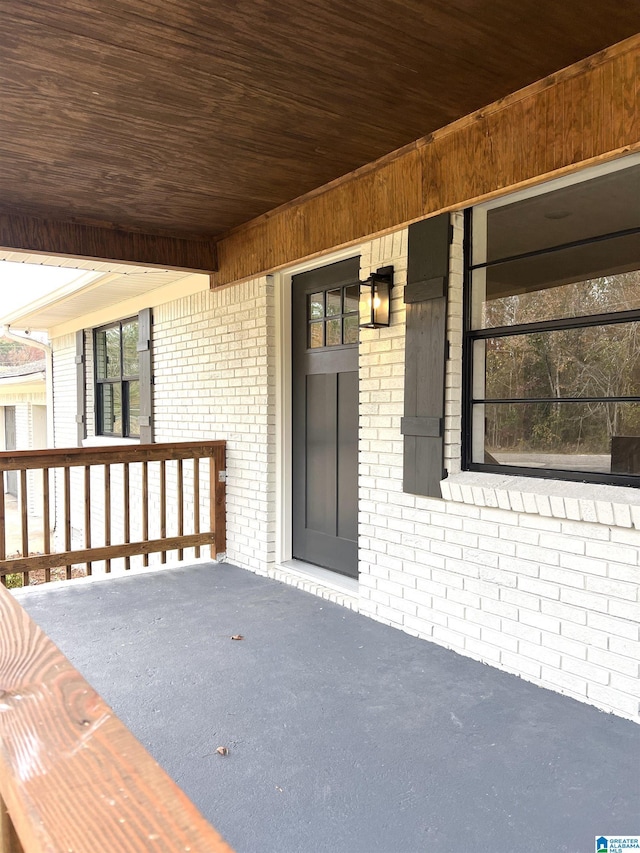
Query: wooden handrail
(104, 458)
(72, 776)
(15, 460)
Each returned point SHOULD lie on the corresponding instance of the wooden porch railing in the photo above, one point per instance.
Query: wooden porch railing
(141, 511)
(73, 779)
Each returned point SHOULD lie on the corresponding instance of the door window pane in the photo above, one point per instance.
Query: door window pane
(316, 335)
(334, 330)
(334, 302)
(351, 330)
(351, 298)
(316, 306)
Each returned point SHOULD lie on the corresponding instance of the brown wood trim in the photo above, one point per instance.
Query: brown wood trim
(555, 126)
(145, 507)
(105, 552)
(87, 517)
(52, 237)
(126, 509)
(90, 785)
(107, 512)
(46, 520)
(218, 497)
(15, 460)
(180, 500)
(24, 519)
(67, 520)
(196, 500)
(163, 507)
(3, 552)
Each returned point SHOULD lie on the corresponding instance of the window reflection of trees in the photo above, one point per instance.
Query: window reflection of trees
(592, 361)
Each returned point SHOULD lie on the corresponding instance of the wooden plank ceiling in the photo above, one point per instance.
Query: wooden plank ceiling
(185, 119)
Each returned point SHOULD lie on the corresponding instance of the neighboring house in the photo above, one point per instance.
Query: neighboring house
(23, 414)
(468, 474)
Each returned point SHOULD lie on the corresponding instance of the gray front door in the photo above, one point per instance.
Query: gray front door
(325, 416)
(10, 444)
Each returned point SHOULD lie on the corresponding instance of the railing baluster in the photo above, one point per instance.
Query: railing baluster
(196, 499)
(87, 514)
(46, 520)
(180, 507)
(145, 508)
(67, 515)
(24, 511)
(127, 520)
(3, 541)
(163, 506)
(107, 512)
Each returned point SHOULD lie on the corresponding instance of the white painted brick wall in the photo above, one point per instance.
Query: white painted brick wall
(223, 387)
(542, 585)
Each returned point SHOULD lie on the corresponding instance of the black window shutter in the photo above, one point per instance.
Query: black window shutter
(146, 377)
(81, 415)
(425, 355)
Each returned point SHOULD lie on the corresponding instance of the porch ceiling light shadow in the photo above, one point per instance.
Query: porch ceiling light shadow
(375, 299)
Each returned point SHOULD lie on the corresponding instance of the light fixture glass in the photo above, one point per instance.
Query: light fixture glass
(374, 306)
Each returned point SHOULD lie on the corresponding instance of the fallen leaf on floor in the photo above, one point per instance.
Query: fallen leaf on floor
(222, 750)
(237, 637)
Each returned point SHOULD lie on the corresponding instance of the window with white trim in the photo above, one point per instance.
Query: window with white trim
(552, 331)
(117, 376)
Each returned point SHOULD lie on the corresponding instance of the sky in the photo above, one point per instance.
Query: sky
(21, 284)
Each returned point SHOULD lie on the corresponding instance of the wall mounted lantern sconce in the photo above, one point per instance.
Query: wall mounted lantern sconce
(375, 299)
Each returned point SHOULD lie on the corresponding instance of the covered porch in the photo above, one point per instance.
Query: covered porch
(344, 734)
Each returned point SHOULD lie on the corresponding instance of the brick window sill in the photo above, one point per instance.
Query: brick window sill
(617, 506)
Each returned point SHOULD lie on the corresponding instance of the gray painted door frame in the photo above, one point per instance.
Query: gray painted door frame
(324, 429)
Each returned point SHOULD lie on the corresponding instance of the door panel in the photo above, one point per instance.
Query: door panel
(321, 451)
(325, 417)
(347, 471)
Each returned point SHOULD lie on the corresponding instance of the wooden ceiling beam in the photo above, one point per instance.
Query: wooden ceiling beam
(586, 113)
(53, 237)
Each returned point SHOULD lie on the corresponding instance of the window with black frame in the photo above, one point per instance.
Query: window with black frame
(552, 332)
(117, 379)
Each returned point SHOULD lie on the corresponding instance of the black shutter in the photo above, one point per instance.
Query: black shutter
(146, 377)
(81, 415)
(425, 355)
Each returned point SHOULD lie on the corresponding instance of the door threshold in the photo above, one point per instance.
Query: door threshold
(323, 582)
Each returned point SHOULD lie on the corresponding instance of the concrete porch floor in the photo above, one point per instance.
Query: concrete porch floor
(344, 735)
